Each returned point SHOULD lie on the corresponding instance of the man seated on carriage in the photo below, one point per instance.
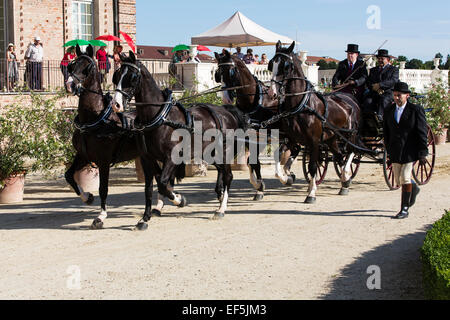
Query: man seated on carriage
(380, 83)
(351, 74)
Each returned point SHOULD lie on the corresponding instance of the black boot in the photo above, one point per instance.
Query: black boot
(406, 196)
(414, 193)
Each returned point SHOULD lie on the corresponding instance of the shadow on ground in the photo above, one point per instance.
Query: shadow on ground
(400, 272)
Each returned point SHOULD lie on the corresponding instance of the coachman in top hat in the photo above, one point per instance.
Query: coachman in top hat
(405, 139)
(380, 82)
(351, 73)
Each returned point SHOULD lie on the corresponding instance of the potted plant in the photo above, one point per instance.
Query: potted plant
(437, 103)
(21, 138)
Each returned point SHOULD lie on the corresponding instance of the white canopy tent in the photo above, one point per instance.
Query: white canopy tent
(239, 31)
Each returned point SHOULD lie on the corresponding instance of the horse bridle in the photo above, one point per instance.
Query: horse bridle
(86, 71)
(135, 78)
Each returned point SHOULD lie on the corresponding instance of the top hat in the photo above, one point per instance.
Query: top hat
(352, 48)
(401, 87)
(383, 53)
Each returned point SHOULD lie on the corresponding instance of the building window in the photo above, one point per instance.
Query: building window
(2, 29)
(83, 19)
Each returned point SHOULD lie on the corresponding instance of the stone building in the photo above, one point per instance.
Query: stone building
(58, 21)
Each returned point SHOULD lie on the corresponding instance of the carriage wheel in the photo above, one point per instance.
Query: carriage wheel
(322, 167)
(354, 166)
(389, 174)
(422, 173)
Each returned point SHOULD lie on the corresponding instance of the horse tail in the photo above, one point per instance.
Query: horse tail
(180, 172)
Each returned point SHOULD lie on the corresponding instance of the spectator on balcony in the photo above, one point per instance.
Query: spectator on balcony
(103, 64)
(249, 58)
(68, 57)
(264, 59)
(34, 56)
(117, 52)
(238, 53)
(257, 59)
(13, 72)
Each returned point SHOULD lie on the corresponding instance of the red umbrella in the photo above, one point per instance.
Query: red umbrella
(202, 48)
(128, 40)
(108, 37)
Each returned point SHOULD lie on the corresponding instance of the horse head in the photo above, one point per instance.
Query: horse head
(228, 74)
(281, 65)
(80, 69)
(127, 79)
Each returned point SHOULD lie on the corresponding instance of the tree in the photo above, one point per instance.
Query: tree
(323, 65)
(439, 55)
(414, 64)
(332, 65)
(402, 58)
(447, 64)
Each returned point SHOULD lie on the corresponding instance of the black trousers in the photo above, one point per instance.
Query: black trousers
(34, 75)
(374, 102)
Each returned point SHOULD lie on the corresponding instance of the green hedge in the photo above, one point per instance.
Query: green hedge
(435, 254)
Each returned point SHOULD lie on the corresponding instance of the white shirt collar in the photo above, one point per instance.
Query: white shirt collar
(401, 107)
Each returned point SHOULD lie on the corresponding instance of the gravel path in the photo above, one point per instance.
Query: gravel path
(278, 248)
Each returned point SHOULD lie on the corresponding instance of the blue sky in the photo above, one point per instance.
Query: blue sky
(416, 29)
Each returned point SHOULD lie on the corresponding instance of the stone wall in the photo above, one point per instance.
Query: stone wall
(7, 99)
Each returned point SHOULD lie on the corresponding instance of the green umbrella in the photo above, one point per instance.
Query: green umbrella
(180, 47)
(73, 43)
(97, 43)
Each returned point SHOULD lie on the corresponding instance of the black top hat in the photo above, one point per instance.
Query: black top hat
(352, 48)
(401, 87)
(383, 53)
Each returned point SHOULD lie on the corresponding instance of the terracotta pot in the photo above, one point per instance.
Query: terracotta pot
(12, 192)
(139, 170)
(240, 163)
(88, 178)
(285, 157)
(196, 170)
(440, 138)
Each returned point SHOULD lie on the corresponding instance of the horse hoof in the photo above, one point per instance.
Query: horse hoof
(90, 199)
(97, 224)
(183, 202)
(258, 197)
(156, 213)
(290, 181)
(344, 191)
(293, 177)
(218, 216)
(141, 226)
(310, 200)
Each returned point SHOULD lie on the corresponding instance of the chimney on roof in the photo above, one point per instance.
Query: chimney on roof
(166, 52)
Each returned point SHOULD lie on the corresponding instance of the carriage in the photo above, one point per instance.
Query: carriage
(372, 138)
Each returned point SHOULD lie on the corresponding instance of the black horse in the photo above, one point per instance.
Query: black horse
(253, 98)
(100, 136)
(158, 119)
(314, 120)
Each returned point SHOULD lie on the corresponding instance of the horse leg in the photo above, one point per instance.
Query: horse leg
(227, 178)
(257, 181)
(148, 167)
(346, 175)
(279, 172)
(77, 164)
(103, 192)
(219, 183)
(312, 168)
(156, 212)
(287, 166)
(163, 185)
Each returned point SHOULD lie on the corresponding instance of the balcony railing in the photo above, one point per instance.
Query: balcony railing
(49, 75)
